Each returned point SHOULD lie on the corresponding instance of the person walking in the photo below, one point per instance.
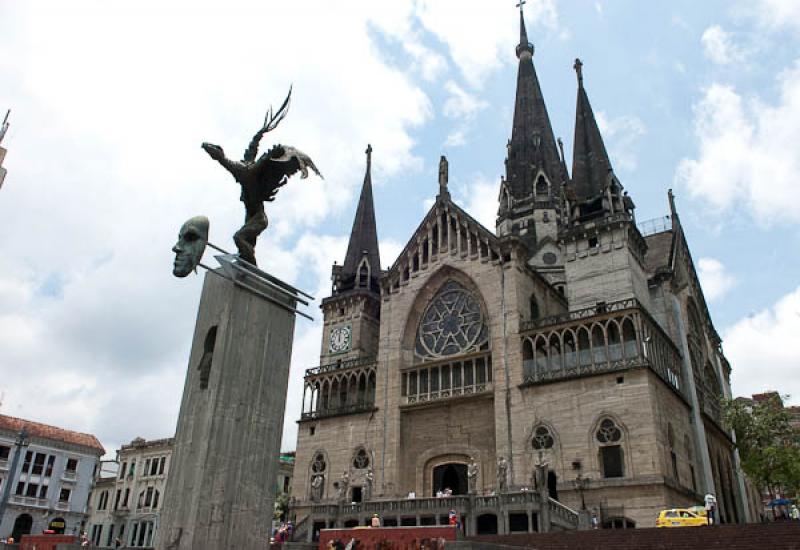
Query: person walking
(375, 521)
(711, 508)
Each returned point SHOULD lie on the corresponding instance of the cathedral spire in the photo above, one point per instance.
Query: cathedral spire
(590, 163)
(362, 263)
(532, 146)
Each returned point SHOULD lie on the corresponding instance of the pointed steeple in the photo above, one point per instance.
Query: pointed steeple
(590, 163)
(362, 263)
(532, 146)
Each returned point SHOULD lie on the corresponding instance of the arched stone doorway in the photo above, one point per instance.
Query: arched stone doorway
(451, 476)
(22, 526)
(487, 524)
(57, 525)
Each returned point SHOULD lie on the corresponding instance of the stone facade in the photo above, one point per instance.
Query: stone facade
(569, 337)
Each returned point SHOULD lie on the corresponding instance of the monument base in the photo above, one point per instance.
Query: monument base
(222, 474)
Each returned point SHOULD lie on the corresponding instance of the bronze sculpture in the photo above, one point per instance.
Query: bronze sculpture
(192, 240)
(260, 179)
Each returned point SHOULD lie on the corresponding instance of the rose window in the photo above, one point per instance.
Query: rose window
(608, 432)
(452, 323)
(542, 439)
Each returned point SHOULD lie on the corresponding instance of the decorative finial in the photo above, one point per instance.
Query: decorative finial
(561, 148)
(578, 66)
(369, 156)
(444, 168)
(4, 126)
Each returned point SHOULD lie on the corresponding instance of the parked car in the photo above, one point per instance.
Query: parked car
(679, 517)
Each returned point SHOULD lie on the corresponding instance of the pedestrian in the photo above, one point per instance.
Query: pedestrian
(117, 542)
(375, 521)
(795, 512)
(711, 507)
(594, 520)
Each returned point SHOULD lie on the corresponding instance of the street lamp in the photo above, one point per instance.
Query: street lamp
(19, 443)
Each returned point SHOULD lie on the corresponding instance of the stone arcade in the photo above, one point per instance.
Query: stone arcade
(571, 343)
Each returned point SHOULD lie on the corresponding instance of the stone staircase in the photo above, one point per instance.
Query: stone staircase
(770, 536)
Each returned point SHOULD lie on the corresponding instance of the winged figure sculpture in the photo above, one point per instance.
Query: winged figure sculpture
(261, 178)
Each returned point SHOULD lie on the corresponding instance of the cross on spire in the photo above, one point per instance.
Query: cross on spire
(578, 66)
(520, 4)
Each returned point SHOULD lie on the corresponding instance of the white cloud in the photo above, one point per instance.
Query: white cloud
(714, 277)
(456, 138)
(478, 41)
(479, 198)
(621, 135)
(460, 103)
(105, 164)
(775, 13)
(748, 152)
(762, 352)
(719, 46)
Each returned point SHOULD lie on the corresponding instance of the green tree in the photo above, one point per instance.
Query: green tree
(281, 506)
(769, 447)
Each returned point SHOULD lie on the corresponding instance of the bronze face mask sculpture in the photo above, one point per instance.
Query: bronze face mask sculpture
(191, 244)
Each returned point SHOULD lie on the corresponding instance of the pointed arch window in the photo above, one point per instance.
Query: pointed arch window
(363, 274)
(542, 188)
(611, 457)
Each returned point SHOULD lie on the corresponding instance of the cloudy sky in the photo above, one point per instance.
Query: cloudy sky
(111, 100)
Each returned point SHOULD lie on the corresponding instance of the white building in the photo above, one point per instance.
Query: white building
(128, 506)
(53, 477)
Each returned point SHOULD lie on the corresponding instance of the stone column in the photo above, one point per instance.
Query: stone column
(221, 485)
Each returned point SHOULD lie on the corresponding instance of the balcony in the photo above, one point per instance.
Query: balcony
(467, 375)
(341, 388)
(467, 505)
(63, 506)
(29, 501)
(610, 337)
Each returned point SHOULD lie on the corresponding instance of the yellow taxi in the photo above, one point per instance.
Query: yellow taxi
(679, 517)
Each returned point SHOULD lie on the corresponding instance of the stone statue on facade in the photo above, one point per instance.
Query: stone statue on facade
(342, 487)
(502, 475)
(369, 479)
(317, 482)
(540, 475)
(261, 179)
(192, 240)
(472, 476)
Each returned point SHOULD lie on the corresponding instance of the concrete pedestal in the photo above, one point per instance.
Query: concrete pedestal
(223, 470)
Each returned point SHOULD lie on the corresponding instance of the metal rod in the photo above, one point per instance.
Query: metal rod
(290, 287)
(256, 291)
(280, 288)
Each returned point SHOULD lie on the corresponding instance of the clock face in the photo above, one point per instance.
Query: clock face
(340, 339)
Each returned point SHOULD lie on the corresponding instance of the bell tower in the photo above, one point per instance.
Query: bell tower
(530, 191)
(352, 312)
(603, 248)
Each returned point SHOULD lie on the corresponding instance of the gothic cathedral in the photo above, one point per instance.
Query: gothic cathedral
(565, 361)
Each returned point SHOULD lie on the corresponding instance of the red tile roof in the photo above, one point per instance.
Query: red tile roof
(45, 431)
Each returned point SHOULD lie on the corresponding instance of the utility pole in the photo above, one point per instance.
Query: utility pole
(20, 444)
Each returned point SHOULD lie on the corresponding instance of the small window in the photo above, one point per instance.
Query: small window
(311, 430)
(593, 242)
(123, 470)
(51, 460)
(32, 490)
(64, 495)
(72, 464)
(161, 464)
(4, 450)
